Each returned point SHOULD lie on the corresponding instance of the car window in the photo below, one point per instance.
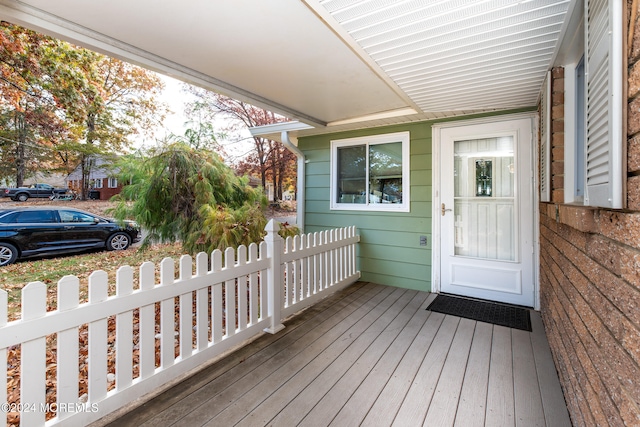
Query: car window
(75, 216)
(31, 217)
(7, 218)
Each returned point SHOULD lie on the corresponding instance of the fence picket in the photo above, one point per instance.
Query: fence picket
(98, 335)
(124, 331)
(147, 324)
(33, 367)
(186, 309)
(316, 265)
(297, 265)
(253, 286)
(167, 316)
(341, 255)
(304, 268)
(242, 289)
(230, 294)
(202, 303)
(67, 348)
(288, 272)
(216, 298)
(264, 294)
(327, 261)
(4, 303)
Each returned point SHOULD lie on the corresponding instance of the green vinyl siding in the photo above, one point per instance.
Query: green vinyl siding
(389, 251)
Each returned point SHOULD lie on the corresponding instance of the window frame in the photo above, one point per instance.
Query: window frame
(574, 155)
(112, 182)
(404, 138)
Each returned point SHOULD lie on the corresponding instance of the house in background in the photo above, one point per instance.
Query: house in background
(103, 182)
(485, 149)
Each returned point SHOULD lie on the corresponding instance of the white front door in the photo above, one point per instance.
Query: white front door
(486, 211)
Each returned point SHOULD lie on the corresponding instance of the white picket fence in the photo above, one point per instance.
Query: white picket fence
(234, 301)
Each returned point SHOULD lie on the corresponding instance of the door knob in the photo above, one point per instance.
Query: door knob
(444, 210)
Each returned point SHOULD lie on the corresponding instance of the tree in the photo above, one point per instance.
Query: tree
(29, 122)
(117, 102)
(269, 160)
(178, 193)
(68, 103)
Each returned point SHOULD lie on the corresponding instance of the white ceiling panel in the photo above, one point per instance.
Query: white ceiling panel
(335, 64)
(457, 54)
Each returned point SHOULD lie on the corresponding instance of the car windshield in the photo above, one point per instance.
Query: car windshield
(75, 216)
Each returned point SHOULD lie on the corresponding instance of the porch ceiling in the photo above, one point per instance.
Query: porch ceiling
(333, 64)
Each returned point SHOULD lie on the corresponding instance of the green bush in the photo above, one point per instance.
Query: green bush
(187, 195)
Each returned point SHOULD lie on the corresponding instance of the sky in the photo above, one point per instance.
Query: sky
(175, 121)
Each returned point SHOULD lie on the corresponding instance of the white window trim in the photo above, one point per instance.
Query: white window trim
(404, 138)
(97, 183)
(576, 52)
(545, 140)
(110, 180)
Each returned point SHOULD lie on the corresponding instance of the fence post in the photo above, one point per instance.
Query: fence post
(274, 276)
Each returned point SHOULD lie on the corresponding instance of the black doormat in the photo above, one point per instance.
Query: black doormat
(483, 311)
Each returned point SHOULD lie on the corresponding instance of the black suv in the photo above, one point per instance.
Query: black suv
(28, 232)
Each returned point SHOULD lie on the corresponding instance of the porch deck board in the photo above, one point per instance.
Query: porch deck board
(372, 355)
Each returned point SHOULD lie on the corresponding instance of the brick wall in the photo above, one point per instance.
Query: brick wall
(590, 281)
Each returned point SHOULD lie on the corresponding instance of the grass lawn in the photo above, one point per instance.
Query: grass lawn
(15, 276)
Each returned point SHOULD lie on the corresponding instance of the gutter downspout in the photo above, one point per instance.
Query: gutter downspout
(300, 196)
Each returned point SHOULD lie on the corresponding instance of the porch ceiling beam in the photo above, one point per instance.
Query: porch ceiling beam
(36, 19)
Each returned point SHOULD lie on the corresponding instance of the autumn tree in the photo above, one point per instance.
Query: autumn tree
(69, 102)
(268, 159)
(29, 123)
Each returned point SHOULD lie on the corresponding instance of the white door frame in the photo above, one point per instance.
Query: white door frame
(436, 218)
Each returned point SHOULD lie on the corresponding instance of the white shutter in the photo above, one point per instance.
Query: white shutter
(545, 140)
(604, 144)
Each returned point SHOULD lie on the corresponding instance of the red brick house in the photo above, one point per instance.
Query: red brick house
(103, 182)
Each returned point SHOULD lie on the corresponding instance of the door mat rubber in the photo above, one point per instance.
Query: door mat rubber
(483, 311)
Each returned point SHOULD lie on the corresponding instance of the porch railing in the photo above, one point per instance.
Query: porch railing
(162, 330)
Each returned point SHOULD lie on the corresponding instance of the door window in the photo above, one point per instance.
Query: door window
(484, 203)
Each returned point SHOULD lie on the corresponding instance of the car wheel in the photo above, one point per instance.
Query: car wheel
(118, 242)
(23, 197)
(8, 253)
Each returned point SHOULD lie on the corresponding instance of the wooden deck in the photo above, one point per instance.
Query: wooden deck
(372, 355)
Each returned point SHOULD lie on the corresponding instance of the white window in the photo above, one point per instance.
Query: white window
(97, 183)
(113, 182)
(371, 173)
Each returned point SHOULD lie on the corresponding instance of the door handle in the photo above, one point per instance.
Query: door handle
(444, 210)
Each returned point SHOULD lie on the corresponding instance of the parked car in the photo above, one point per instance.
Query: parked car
(33, 231)
(35, 190)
